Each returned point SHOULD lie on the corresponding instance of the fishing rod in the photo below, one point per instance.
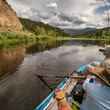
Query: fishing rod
(41, 77)
(44, 82)
(60, 77)
(73, 75)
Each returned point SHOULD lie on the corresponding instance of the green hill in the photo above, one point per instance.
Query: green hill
(32, 33)
(39, 28)
(97, 34)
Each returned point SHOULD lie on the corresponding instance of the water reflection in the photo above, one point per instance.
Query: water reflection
(24, 90)
(45, 46)
(10, 59)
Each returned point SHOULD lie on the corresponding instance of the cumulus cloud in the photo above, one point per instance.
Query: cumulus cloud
(64, 13)
(52, 5)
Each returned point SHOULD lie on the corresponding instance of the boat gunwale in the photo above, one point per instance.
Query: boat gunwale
(66, 88)
(50, 98)
(43, 105)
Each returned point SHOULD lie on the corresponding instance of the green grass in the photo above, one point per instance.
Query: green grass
(81, 39)
(12, 39)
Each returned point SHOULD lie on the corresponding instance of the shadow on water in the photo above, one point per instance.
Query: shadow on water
(23, 90)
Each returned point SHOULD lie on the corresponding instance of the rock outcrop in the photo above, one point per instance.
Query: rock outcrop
(8, 18)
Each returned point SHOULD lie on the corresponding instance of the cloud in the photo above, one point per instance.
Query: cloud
(64, 13)
(52, 5)
(102, 9)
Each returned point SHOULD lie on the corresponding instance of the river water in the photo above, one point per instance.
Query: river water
(23, 90)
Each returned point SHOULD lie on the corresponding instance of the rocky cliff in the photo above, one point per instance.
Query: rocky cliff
(8, 18)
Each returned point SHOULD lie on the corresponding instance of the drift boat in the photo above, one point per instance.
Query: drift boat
(67, 85)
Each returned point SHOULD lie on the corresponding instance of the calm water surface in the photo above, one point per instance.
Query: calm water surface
(23, 90)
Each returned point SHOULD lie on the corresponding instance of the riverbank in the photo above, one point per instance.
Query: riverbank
(13, 39)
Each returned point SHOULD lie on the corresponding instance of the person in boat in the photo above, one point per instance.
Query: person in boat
(97, 86)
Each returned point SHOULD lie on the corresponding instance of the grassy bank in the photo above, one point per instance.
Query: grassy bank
(82, 39)
(13, 39)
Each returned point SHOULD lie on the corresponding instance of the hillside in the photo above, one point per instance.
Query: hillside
(32, 33)
(8, 18)
(97, 34)
(74, 32)
(39, 28)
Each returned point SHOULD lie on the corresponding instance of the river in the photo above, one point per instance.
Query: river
(23, 90)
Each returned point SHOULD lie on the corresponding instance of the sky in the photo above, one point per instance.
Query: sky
(65, 14)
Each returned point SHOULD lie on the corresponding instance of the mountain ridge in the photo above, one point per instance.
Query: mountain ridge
(74, 32)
